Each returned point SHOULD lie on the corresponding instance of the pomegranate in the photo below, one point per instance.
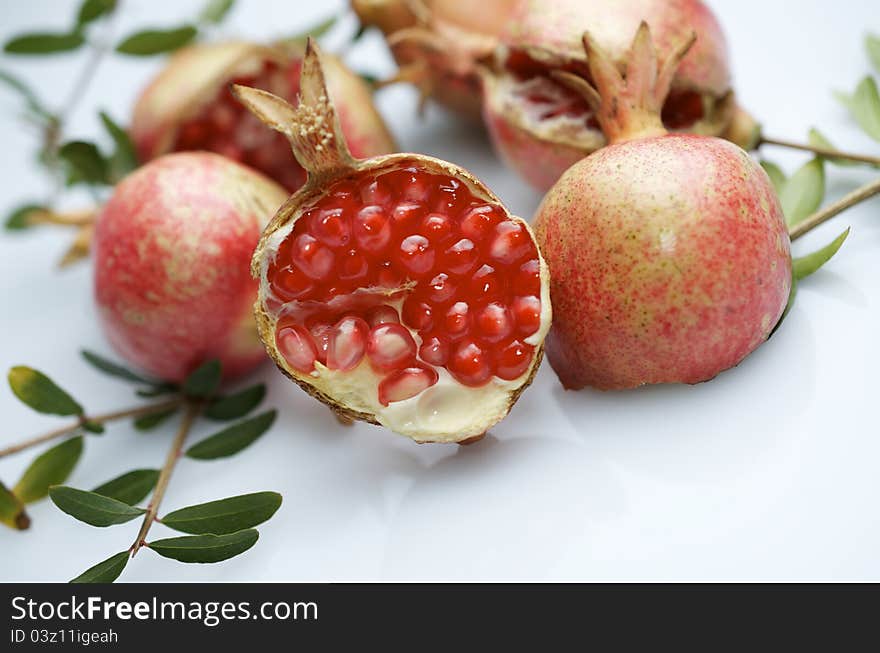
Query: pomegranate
(188, 106)
(172, 251)
(396, 289)
(541, 127)
(668, 253)
(438, 44)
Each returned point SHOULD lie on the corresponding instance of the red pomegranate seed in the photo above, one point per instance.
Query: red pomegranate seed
(527, 280)
(297, 347)
(417, 314)
(390, 347)
(415, 255)
(511, 243)
(478, 222)
(440, 289)
(435, 350)
(461, 258)
(387, 276)
(526, 314)
(436, 227)
(312, 257)
(412, 185)
(376, 193)
(331, 227)
(382, 315)
(406, 218)
(406, 383)
(353, 266)
(485, 285)
(513, 360)
(457, 319)
(291, 283)
(346, 343)
(469, 364)
(372, 230)
(493, 322)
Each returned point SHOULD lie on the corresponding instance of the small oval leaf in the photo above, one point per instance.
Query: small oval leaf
(92, 508)
(205, 548)
(204, 380)
(864, 105)
(41, 393)
(12, 512)
(124, 159)
(85, 163)
(106, 571)
(215, 11)
(113, 369)
(225, 515)
(803, 192)
(130, 488)
(52, 467)
(236, 405)
(92, 10)
(156, 41)
(151, 421)
(20, 218)
(233, 439)
(43, 43)
(804, 266)
(777, 177)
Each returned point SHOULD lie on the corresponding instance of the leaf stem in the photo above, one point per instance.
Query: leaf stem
(97, 419)
(192, 411)
(821, 151)
(828, 212)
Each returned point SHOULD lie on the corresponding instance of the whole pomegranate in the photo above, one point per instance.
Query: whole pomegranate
(438, 44)
(669, 254)
(188, 106)
(172, 258)
(396, 289)
(541, 127)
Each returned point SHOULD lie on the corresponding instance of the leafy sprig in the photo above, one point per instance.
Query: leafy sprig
(216, 530)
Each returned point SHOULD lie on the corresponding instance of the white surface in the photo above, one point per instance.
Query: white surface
(767, 472)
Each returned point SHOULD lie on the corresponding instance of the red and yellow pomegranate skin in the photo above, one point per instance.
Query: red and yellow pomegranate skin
(188, 106)
(669, 261)
(172, 264)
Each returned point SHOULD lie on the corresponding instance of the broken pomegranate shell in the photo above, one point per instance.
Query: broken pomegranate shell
(188, 106)
(398, 289)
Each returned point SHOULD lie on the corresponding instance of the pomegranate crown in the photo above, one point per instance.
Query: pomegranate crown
(312, 127)
(628, 104)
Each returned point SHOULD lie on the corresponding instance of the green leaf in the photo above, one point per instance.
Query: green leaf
(315, 31)
(804, 266)
(156, 41)
(817, 139)
(106, 571)
(151, 421)
(93, 427)
(123, 160)
(92, 508)
(19, 219)
(92, 10)
(40, 392)
(226, 515)
(203, 381)
(233, 439)
(803, 192)
(31, 100)
(236, 405)
(43, 43)
(872, 44)
(157, 390)
(205, 548)
(52, 467)
(130, 488)
(113, 369)
(85, 163)
(864, 105)
(777, 177)
(12, 512)
(215, 11)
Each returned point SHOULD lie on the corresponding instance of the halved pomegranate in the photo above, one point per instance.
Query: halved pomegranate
(396, 289)
(188, 106)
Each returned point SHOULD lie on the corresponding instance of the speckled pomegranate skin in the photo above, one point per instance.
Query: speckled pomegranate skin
(172, 264)
(669, 261)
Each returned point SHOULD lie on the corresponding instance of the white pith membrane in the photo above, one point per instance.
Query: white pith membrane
(445, 411)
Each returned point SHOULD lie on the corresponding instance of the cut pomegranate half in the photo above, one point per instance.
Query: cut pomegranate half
(397, 289)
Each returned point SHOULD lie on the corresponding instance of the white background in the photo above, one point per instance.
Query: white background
(768, 472)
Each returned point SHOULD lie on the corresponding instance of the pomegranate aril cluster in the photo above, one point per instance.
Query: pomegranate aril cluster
(467, 275)
(226, 127)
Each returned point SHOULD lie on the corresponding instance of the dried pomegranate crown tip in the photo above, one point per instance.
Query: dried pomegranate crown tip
(628, 105)
(312, 127)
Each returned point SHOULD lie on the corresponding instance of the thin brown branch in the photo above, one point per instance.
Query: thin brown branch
(192, 411)
(828, 153)
(138, 411)
(828, 212)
